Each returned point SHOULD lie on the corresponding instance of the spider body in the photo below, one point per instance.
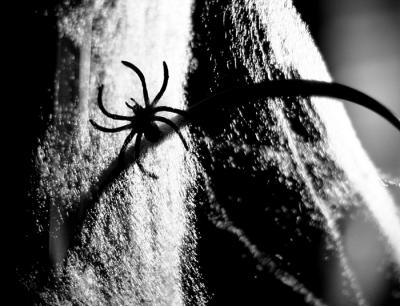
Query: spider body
(152, 133)
(144, 124)
(143, 121)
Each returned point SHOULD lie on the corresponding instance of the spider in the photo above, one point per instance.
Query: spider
(142, 122)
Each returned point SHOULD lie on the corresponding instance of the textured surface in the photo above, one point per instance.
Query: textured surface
(258, 208)
(283, 177)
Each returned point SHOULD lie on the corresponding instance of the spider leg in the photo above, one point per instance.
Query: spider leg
(142, 79)
(137, 152)
(126, 142)
(164, 85)
(170, 109)
(134, 101)
(133, 107)
(102, 108)
(110, 130)
(130, 106)
(176, 129)
(137, 145)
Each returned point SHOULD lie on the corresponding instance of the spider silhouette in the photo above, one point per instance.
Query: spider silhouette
(142, 122)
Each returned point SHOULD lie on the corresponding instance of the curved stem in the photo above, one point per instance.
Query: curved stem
(290, 88)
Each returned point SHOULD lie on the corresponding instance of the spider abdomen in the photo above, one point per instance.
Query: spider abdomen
(152, 132)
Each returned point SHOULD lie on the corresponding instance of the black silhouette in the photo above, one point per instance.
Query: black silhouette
(142, 122)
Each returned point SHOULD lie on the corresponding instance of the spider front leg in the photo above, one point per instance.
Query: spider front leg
(133, 107)
(142, 80)
(164, 85)
(110, 130)
(103, 109)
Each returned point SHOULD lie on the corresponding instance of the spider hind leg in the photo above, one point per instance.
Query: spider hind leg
(146, 172)
(137, 152)
(138, 140)
(128, 139)
(174, 127)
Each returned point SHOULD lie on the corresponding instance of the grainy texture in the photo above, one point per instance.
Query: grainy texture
(283, 177)
(255, 212)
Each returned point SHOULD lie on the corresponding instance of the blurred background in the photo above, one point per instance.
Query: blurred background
(360, 41)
